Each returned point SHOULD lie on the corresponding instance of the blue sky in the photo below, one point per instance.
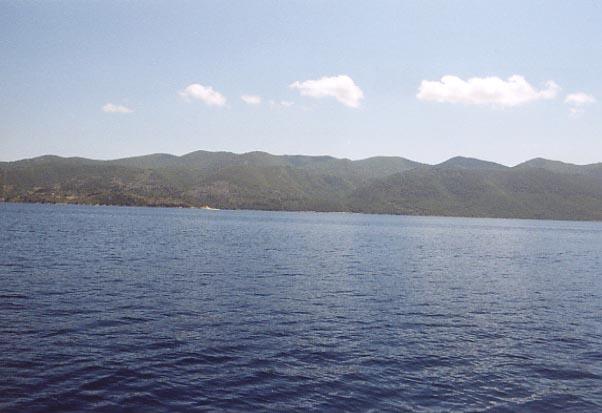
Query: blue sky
(369, 78)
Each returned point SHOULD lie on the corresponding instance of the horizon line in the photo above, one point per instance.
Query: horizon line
(288, 154)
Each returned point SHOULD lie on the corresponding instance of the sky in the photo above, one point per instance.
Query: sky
(504, 81)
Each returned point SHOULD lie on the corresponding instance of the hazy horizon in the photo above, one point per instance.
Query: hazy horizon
(298, 154)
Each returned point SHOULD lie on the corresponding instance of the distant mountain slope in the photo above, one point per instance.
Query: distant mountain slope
(533, 193)
(258, 180)
(381, 166)
(207, 162)
(562, 167)
(153, 161)
(461, 162)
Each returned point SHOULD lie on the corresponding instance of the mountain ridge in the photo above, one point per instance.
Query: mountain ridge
(201, 151)
(459, 186)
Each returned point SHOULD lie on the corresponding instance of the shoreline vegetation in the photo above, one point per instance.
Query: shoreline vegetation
(459, 187)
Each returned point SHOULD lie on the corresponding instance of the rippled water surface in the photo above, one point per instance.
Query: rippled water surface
(164, 310)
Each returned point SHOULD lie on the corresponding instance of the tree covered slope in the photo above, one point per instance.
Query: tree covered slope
(258, 180)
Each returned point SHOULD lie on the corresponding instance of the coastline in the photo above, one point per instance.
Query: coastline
(157, 206)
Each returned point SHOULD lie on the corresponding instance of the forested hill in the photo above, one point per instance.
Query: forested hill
(257, 180)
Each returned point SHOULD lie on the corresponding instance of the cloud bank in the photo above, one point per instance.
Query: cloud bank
(341, 87)
(112, 108)
(205, 94)
(251, 99)
(491, 91)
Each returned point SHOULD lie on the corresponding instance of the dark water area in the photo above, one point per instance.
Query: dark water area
(112, 309)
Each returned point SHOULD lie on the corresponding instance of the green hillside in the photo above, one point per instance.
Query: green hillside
(258, 180)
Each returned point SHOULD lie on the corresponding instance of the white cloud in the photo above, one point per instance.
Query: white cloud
(577, 101)
(281, 104)
(111, 108)
(251, 99)
(341, 87)
(484, 91)
(203, 93)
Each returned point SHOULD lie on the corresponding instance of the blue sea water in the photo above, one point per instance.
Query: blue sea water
(115, 309)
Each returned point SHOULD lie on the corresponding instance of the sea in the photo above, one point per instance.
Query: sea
(127, 309)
